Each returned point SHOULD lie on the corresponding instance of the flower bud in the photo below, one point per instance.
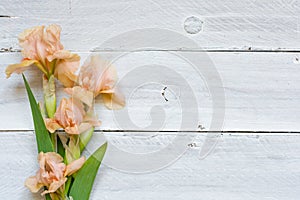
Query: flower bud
(49, 95)
(85, 137)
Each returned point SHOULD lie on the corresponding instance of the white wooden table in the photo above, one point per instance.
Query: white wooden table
(253, 48)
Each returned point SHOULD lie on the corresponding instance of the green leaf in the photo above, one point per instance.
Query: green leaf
(48, 197)
(42, 135)
(83, 183)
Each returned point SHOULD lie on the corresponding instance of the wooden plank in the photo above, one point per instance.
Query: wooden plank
(241, 167)
(261, 92)
(223, 25)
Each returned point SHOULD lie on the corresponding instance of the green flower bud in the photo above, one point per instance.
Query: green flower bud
(85, 137)
(49, 95)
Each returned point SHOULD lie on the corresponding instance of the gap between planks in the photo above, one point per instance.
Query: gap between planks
(221, 133)
(11, 50)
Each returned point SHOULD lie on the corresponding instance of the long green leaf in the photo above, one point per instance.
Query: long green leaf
(85, 177)
(42, 135)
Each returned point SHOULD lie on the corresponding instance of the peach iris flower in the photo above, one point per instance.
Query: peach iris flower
(70, 116)
(52, 172)
(43, 49)
(96, 77)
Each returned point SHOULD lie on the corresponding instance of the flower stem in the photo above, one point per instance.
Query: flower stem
(50, 103)
(67, 185)
(54, 140)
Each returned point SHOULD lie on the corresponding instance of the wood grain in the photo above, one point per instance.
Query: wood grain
(241, 167)
(88, 25)
(261, 92)
(253, 48)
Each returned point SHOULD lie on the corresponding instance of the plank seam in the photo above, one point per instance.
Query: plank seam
(10, 50)
(170, 131)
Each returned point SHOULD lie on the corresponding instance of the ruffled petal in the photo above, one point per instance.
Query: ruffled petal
(32, 43)
(65, 73)
(54, 157)
(84, 127)
(21, 67)
(97, 74)
(52, 36)
(33, 184)
(52, 125)
(81, 94)
(74, 166)
(64, 55)
(69, 115)
(92, 118)
(108, 79)
(114, 101)
(66, 67)
(72, 130)
(55, 185)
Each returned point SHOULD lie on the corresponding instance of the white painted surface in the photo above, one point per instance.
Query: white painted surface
(261, 91)
(229, 24)
(241, 167)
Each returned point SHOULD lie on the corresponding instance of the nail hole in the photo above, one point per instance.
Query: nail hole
(201, 127)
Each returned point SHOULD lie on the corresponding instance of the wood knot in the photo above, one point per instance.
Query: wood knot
(193, 25)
